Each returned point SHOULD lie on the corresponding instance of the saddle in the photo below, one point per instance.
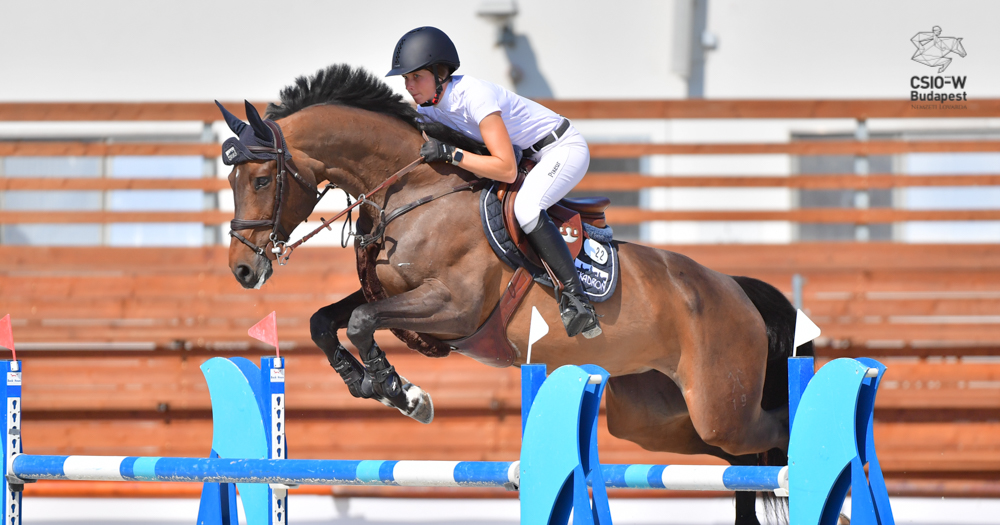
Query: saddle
(568, 214)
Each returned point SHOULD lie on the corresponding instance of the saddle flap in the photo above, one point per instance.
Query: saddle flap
(569, 222)
(570, 227)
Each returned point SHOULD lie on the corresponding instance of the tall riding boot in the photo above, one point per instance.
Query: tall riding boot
(574, 305)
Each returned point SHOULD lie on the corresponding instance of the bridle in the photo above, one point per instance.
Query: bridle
(277, 230)
(280, 248)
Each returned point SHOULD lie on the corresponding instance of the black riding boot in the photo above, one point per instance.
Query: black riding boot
(574, 305)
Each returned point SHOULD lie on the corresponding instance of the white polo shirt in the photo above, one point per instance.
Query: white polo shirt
(467, 101)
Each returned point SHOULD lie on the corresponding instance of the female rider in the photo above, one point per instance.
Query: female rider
(488, 113)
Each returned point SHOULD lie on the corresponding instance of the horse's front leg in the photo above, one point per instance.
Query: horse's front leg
(429, 308)
(323, 327)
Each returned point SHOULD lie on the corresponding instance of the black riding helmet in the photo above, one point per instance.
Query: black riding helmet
(423, 48)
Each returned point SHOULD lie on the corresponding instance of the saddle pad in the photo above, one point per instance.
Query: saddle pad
(597, 263)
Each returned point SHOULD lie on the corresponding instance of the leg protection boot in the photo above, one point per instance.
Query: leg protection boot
(574, 306)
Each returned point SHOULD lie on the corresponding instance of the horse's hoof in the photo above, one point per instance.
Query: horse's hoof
(844, 520)
(419, 405)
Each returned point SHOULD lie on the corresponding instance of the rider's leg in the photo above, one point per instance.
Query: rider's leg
(560, 167)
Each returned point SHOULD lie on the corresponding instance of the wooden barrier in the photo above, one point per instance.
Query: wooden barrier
(111, 312)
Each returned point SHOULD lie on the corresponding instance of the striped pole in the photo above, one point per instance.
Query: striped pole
(696, 477)
(271, 471)
(374, 472)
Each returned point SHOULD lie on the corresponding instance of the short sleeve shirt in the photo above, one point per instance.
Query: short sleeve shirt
(467, 101)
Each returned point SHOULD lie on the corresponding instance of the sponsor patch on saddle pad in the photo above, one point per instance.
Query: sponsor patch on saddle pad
(597, 263)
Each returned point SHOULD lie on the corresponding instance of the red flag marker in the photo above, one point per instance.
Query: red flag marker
(266, 330)
(7, 335)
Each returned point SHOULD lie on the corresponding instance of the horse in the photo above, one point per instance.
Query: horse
(697, 358)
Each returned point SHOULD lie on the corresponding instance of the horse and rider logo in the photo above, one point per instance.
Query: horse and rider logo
(933, 49)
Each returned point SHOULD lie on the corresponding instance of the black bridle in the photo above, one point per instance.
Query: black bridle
(279, 236)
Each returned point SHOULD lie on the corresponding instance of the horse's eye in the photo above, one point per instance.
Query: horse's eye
(260, 182)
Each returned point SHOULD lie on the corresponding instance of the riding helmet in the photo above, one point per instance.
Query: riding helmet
(423, 47)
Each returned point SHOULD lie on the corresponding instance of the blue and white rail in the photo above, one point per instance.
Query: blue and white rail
(276, 471)
(374, 472)
(696, 477)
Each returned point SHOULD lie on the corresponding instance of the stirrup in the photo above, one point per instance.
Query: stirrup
(578, 316)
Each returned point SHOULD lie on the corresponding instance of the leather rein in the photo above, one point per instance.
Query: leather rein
(281, 249)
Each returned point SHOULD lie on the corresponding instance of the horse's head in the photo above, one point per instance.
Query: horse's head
(268, 204)
(957, 47)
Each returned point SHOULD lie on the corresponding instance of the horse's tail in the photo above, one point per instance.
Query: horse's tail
(779, 318)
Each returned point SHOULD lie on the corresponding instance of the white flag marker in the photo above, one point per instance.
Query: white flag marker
(805, 331)
(537, 330)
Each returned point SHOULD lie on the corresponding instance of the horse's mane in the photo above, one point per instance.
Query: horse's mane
(344, 85)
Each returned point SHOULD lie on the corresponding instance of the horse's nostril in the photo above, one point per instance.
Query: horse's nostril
(243, 273)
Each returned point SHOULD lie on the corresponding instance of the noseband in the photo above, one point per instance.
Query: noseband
(277, 230)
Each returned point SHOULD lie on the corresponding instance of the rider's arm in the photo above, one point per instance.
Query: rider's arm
(920, 38)
(500, 164)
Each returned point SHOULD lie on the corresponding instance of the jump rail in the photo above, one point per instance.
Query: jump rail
(831, 442)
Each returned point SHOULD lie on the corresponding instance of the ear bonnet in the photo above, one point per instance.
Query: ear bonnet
(237, 150)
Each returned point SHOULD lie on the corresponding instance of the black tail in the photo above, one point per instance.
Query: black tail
(779, 318)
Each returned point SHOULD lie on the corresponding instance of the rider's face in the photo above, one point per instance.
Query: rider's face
(420, 85)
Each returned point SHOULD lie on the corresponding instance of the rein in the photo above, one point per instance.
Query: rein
(284, 251)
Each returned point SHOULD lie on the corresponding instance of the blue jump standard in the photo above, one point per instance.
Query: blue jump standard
(831, 443)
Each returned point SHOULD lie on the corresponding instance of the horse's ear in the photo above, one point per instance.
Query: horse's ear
(233, 121)
(259, 128)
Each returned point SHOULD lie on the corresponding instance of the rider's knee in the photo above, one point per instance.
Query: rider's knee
(526, 210)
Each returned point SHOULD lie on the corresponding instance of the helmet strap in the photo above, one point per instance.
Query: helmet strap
(438, 88)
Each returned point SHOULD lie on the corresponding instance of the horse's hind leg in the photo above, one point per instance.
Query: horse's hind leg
(723, 387)
(649, 409)
(746, 502)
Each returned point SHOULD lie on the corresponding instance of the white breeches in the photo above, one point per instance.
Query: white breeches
(560, 167)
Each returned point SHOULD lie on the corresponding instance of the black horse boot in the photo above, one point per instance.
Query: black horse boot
(574, 306)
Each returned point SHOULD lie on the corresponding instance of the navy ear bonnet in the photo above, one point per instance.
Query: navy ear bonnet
(235, 150)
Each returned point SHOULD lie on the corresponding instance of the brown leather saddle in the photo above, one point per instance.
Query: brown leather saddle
(568, 214)
(489, 344)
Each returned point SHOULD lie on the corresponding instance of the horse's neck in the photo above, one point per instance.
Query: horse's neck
(360, 150)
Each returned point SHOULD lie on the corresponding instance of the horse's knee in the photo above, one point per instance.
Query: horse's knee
(319, 325)
(362, 324)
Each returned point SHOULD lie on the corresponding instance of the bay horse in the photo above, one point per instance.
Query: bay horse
(697, 357)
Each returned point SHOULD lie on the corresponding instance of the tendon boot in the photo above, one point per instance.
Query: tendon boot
(574, 306)
(384, 379)
(353, 373)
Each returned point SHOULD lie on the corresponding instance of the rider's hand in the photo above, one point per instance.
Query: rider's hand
(437, 151)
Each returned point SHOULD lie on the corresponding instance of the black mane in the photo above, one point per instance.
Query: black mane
(344, 85)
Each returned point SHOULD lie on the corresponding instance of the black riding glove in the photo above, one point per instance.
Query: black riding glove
(437, 151)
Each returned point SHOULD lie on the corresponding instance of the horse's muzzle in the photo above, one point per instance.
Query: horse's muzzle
(253, 276)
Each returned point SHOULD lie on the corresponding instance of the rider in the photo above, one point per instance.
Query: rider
(488, 113)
